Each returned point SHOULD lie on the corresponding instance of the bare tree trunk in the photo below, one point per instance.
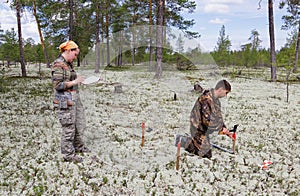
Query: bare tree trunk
(102, 42)
(164, 24)
(97, 55)
(23, 67)
(71, 20)
(107, 34)
(272, 41)
(287, 85)
(133, 39)
(297, 51)
(71, 27)
(150, 35)
(40, 34)
(120, 49)
(159, 39)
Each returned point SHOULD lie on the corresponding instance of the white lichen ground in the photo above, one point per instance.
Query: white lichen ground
(31, 163)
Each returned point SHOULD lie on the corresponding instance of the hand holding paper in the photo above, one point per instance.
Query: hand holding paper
(90, 80)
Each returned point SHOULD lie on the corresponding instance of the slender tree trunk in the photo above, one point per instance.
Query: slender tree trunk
(164, 24)
(150, 35)
(97, 55)
(23, 67)
(71, 20)
(272, 41)
(159, 39)
(287, 85)
(102, 41)
(107, 34)
(297, 51)
(133, 38)
(40, 34)
(120, 49)
(71, 27)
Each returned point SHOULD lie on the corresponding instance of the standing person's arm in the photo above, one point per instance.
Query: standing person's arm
(61, 81)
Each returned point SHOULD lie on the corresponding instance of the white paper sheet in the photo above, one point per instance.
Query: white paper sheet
(91, 80)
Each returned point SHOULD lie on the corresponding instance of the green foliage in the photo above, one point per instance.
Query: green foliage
(173, 18)
(3, 85)
(255, 41)
(124, 15)
(286, 55)
(105, 180)
(291, 20)
(222, 50)
(117, 68)
(31, 51)
(250, 55)
(38, 189)
(200, 58)
(9, 46)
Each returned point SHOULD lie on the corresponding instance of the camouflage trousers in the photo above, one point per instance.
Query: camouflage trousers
(73, 124)
(198, 145)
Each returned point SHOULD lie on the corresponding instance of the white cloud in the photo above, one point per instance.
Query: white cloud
(8, 20)
(30, 30)
(218, 21)
(226, 1)
(216, 8)
(219, 6)
(29, 27)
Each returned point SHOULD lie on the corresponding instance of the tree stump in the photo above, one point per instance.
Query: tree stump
(118, 88)
(197, 87)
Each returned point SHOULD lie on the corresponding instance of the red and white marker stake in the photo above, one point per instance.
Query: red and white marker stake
(233, 142)
(266, 164)
(143, 134)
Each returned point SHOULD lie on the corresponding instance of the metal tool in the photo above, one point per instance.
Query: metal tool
(233, 142)
(221, 148)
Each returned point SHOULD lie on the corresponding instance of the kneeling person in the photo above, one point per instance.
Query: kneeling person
(205, 118)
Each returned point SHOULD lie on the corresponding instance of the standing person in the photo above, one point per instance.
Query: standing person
(70, 111)
(205, 118)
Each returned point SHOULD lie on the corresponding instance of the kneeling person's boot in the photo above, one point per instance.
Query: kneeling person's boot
(182, 139)
(208, 155)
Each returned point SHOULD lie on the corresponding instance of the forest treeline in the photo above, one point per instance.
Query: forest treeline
(106, 27)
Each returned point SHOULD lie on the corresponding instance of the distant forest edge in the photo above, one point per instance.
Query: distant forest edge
(102, 29)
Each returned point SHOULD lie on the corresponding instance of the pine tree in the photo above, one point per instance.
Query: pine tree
(222, 50)
(292, 21)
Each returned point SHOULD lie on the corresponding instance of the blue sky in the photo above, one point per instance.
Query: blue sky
(239, 17)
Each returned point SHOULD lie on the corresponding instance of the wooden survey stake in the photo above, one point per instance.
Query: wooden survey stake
(178, 154)
(143, 134)
(233, 142)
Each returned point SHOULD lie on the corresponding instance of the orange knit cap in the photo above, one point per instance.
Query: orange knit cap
(67, 46)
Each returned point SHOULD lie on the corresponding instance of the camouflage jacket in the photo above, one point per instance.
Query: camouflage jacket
(206, 116)
(63, 72)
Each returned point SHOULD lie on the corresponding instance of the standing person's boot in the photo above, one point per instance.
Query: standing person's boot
(82, 149)
(74, 159)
